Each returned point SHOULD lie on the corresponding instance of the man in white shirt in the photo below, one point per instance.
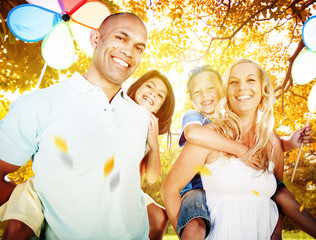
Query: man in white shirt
(86, 138)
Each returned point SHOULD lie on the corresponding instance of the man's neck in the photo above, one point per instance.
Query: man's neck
(110, 89)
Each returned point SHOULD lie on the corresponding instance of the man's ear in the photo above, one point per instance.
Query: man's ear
(94, 38)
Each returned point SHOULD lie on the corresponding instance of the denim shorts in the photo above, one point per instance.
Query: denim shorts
(193, 205)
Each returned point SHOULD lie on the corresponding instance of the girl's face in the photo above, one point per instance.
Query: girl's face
(151, 94)
(205, 92)
(244, 89)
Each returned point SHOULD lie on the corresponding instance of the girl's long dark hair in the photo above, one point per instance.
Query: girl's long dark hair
(164, 114)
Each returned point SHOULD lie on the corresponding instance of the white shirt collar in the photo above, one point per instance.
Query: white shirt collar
(81, 85)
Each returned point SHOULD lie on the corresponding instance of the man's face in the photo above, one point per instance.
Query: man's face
(119, 48)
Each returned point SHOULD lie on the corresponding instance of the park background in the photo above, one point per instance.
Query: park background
(184, 34)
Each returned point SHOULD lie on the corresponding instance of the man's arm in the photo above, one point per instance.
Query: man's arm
(6, 188)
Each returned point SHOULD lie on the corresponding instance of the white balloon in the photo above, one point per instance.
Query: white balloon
(58, 48)
(311, 103)
(304, 67)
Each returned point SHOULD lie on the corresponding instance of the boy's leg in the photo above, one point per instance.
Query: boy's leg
(158, 221)
(291, 209)
(195, 229)
(194, 219)
(16, 229)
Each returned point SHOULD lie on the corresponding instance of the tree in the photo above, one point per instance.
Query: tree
(186, 33)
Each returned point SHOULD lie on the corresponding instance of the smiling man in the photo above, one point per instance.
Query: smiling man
(86, 139)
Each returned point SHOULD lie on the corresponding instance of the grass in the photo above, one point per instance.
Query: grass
(287, 235)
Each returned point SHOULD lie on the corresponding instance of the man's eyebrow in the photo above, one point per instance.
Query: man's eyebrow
(126, 35)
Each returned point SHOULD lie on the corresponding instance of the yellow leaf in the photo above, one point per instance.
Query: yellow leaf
(109, 165)
(61, 144)
(255, 192)
(309, 183)
(202, 170)
(301, 208)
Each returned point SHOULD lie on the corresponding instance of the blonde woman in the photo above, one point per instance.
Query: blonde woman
(238, 197)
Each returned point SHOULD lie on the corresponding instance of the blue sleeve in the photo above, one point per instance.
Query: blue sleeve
(18, 133)
(191, 117)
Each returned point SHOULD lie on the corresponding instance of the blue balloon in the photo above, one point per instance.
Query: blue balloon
(31, 23)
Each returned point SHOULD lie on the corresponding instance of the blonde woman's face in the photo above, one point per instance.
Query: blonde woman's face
(244, 89)
(151, 94)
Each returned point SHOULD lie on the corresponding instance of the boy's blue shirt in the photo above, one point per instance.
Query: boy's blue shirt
(192, 117)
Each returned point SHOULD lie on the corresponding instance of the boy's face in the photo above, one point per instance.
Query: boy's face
(205, 92)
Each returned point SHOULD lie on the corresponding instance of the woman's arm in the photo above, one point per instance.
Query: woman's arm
(183, 170)
(153, 166)
(278, 158)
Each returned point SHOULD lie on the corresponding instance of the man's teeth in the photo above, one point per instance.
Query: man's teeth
(148, 100)
(121, 62)
(244, 97)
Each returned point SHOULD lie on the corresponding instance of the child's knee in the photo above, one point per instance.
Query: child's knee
(282, 196)
(194, 228)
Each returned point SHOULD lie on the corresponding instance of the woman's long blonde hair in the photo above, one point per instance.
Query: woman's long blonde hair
(229, 124)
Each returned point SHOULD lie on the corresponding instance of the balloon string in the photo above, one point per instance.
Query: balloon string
(299, 153)
(41, 76)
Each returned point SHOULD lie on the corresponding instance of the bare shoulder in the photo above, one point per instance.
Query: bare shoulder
(276, 142)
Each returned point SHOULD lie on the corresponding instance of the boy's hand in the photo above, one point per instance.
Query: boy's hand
(253, 162)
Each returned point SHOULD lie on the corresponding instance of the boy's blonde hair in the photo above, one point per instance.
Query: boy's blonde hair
(197, 70)
(229, 124)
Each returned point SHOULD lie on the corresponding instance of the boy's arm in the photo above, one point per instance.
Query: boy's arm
(153, 168)
(206, 136)
(300, 136)
(6, 188)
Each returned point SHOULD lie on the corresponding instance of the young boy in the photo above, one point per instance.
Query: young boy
(204, 87)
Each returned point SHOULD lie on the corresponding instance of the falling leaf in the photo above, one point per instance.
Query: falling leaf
(61, 144)
(67, 160)
(115, 180)
(301, 208)
(109, 165)
(255, 192)
(309, 183)
(203, 170)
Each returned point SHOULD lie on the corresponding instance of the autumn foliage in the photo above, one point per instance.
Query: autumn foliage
(184, 34)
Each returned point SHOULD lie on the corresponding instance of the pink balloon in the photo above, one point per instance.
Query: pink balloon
(72, 5)
(49, 4)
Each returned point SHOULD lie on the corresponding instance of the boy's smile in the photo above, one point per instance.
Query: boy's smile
(205, 92)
